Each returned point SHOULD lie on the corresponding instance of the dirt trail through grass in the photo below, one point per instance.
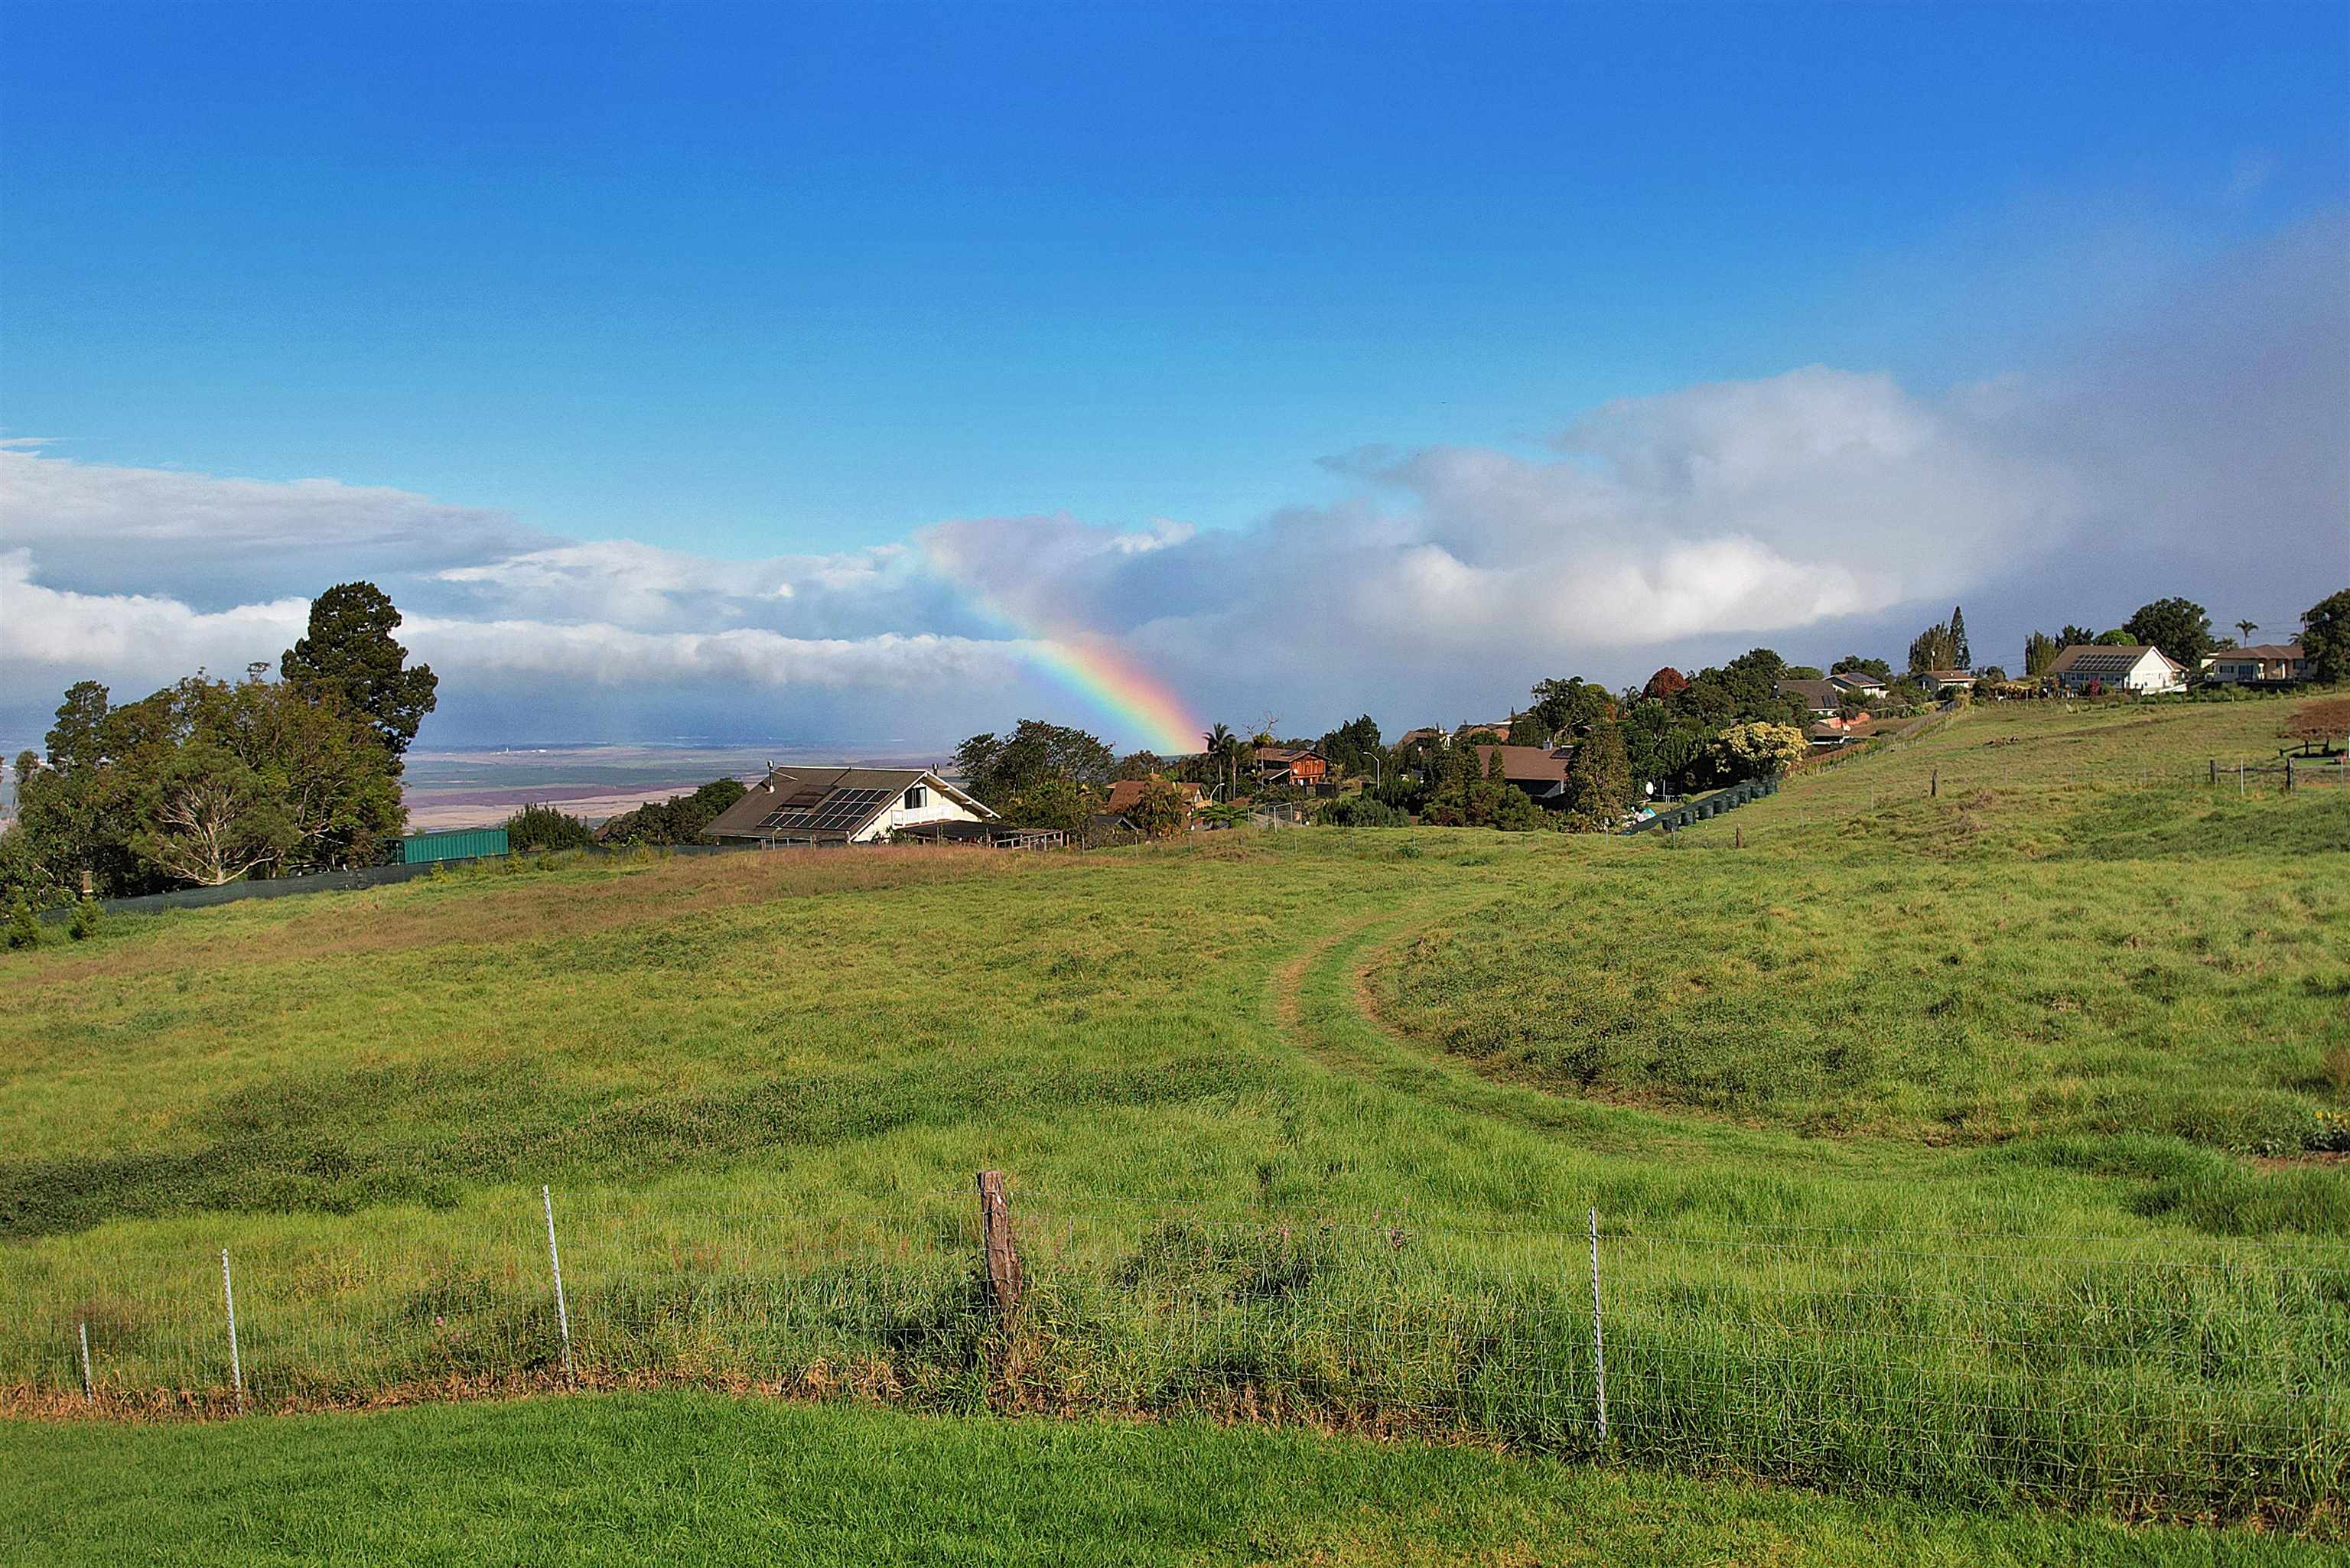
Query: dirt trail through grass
(1321, 1005)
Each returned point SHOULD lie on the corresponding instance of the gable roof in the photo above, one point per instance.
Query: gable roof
(1814, 693)
(2100, 662)
(828, 800)
(1946, 675)
(2266, 651)
(1857, 679)
(1528, 764)
(1126, 792)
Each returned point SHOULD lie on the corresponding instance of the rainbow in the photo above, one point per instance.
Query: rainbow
(1109, 678)
(1144, 709)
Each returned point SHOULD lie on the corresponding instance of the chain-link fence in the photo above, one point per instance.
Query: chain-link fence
(2130, 1375)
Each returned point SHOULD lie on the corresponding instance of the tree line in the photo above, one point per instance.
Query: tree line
(209, 781)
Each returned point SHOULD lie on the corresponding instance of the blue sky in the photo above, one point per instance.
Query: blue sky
(789, 284)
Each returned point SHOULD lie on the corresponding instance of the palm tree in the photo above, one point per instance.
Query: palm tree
(1224, 748)
(2247, 627)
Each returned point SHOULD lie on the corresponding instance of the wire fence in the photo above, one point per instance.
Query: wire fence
(2117, 1373)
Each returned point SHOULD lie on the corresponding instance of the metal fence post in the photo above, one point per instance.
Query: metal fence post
(554, 1264)
(1599, 1340)
(89, 1387)
(235, 1360)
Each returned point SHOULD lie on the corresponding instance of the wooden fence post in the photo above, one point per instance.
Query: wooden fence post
(996, 1249)
(1934, 789)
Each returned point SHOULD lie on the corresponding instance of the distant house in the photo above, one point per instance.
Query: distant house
(1430, 733)
(1298, 767)
(1818, 696)
(1126, 792)
(2139, 669)
(1496, 726)
(1937, 682)
(843, 805)
(1859, 682)
(1539, 771)
(2262, 663)
(1827, 734)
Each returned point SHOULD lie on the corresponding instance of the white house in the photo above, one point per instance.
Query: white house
(1860, 682)
(2139, 669)
(1937, 681)
(842, 805)
(2262, 661)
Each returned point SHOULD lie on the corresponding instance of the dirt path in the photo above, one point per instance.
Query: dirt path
(1321, 1004)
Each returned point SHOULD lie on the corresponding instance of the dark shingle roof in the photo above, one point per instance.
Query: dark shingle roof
(825, 800)
(1125, 793)
(1528, 764)
(1814, 693)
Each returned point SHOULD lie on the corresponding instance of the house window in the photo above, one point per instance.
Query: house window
(918, 798)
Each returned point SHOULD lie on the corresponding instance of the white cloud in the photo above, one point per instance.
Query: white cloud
(47, 631)
(502, 650)
(2209, 448)
(213, 541)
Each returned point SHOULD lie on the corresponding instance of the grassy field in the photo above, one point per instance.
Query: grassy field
(1956, 1120)
(695, 1480)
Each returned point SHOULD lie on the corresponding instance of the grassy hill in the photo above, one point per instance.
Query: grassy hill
(1962, 1121)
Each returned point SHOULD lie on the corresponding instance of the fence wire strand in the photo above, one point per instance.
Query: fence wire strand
(2081, 1370)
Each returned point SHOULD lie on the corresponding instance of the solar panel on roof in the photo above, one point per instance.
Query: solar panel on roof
(837, 812)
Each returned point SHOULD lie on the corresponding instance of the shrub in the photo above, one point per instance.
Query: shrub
(1361, 811)
(542, 826)
(84, 924)
(23, 930)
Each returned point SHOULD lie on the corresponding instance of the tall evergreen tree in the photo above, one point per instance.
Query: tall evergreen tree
(349, 651)
(1962, 656)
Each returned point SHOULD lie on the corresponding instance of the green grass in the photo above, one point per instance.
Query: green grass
(694, 1480)
(1951, 1143)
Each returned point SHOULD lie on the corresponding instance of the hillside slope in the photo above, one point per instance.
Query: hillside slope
(1308, 1123)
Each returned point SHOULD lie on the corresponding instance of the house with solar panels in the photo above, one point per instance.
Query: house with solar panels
(844, 805)
(2108, 669)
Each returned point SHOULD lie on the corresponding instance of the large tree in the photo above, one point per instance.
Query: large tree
(1936, 647)
(1354, 748)
(349, 651)
(2325, 637)
(1563, 706)
(1040, 775)
(1599, 780)
(208, 817)
(2178, 627)
(1962, 656)
(1854, 664)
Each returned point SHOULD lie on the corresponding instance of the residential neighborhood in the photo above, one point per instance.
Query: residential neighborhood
(1571, 754)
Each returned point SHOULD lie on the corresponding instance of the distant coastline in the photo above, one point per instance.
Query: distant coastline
(482, 786)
